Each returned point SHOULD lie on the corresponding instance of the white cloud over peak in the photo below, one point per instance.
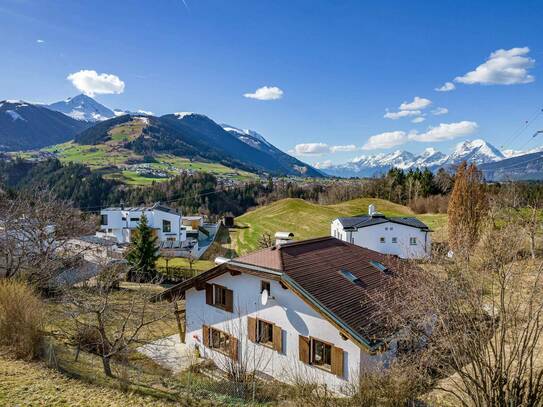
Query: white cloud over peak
(438, 111)
(418, 103)
(265, 93)
(401, 113)
(323, 165)
(147, 112)
(447, 87)
(386, 140)
(92, 83)
(445, 131)
(503, 67)
(419, 119)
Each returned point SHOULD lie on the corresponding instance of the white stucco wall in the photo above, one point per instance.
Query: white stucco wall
(370, 238)
(287, 311)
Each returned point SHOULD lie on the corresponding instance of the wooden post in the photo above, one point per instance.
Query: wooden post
(180, 325)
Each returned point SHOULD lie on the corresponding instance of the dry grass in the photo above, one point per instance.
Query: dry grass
(33, 384)
(21, 319)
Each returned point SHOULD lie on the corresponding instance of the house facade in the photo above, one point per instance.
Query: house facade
(405, 237)
(120, 223)
(312, 323)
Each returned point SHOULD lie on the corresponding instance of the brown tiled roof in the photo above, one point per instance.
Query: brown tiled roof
(316, 266)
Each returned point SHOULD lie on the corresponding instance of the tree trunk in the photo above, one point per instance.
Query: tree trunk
(532, 245)
(106, 361)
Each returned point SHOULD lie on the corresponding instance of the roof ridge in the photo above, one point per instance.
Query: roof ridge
(306, 241)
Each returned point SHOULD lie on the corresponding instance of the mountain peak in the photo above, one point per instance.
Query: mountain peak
(82, 107)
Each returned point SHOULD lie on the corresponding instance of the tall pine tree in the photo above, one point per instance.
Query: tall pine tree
(143, 252)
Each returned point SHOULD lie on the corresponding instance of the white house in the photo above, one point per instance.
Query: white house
(406, 237)
(296, 310)
(121, 222)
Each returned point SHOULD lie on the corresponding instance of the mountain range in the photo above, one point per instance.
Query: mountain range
(25, 126)
(479, 151)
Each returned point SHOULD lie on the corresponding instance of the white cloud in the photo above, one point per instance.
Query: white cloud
(386, 140)
(40, 41)
(447, 87)
(419, 119)
(418, 103)
(407, 109)
(265, 93)
(503, 67)
(310, 149)
(323, 165)
(401, 113)
(438, 111)
(343, 149)
(316, 149)
(91, 83)
(445, 131)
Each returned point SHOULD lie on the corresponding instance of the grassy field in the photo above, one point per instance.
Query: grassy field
(307, 220)
(33, 384)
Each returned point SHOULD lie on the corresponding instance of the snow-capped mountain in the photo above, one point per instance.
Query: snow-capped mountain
(476, 151)
(82, 107)
(248, 136)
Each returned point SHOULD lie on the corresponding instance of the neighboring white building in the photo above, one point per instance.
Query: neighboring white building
(121, 222)
(317, 324)
(406, 237)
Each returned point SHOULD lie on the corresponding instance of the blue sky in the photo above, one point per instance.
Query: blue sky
(332, 68)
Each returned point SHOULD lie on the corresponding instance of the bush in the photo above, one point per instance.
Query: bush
(431, 204)
(21, 319)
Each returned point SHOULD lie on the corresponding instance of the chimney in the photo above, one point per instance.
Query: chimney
(283, 237)
(371, 209)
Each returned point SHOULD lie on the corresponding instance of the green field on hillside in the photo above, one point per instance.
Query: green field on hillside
(307, 220)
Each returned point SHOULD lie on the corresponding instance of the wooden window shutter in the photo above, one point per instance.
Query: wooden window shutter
(229, 301)
(303, 348)
(234, 348)
(205, 334)
(209, 294)
(278, 339)
(251, 329)
(337, 361)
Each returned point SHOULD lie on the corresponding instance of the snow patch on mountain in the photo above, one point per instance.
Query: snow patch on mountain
(248, 136)
(14, 115)
(83, 108)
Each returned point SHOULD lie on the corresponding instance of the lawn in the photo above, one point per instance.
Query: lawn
(181, 262)
(307, 220)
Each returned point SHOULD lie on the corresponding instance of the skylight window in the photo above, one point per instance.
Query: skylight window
(351, 277)
(380, 266)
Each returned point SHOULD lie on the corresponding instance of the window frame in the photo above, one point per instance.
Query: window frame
(265, 285)
(227, 341)
(413, 241)
(222, 289)
(102, 217)
(134, 219)
(270, 343)
(382, 240)
(312, 341)
(394, 240)
(168, 223)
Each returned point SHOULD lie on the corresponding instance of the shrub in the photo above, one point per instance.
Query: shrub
(431, 204)
(21, 319)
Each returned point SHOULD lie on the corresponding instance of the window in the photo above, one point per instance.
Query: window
(265, 285)
(394, 240)
(134, 219)
(220, 297)
(379, 266)
(103, 220)
(219, 340)
(351, 277)
(170, 239)
(413, 241)
(264, 333)
(124, 218)
(166, 226)
(382, 240)
(321, 354)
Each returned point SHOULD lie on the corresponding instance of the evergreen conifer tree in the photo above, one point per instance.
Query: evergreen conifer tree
(143, 252)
